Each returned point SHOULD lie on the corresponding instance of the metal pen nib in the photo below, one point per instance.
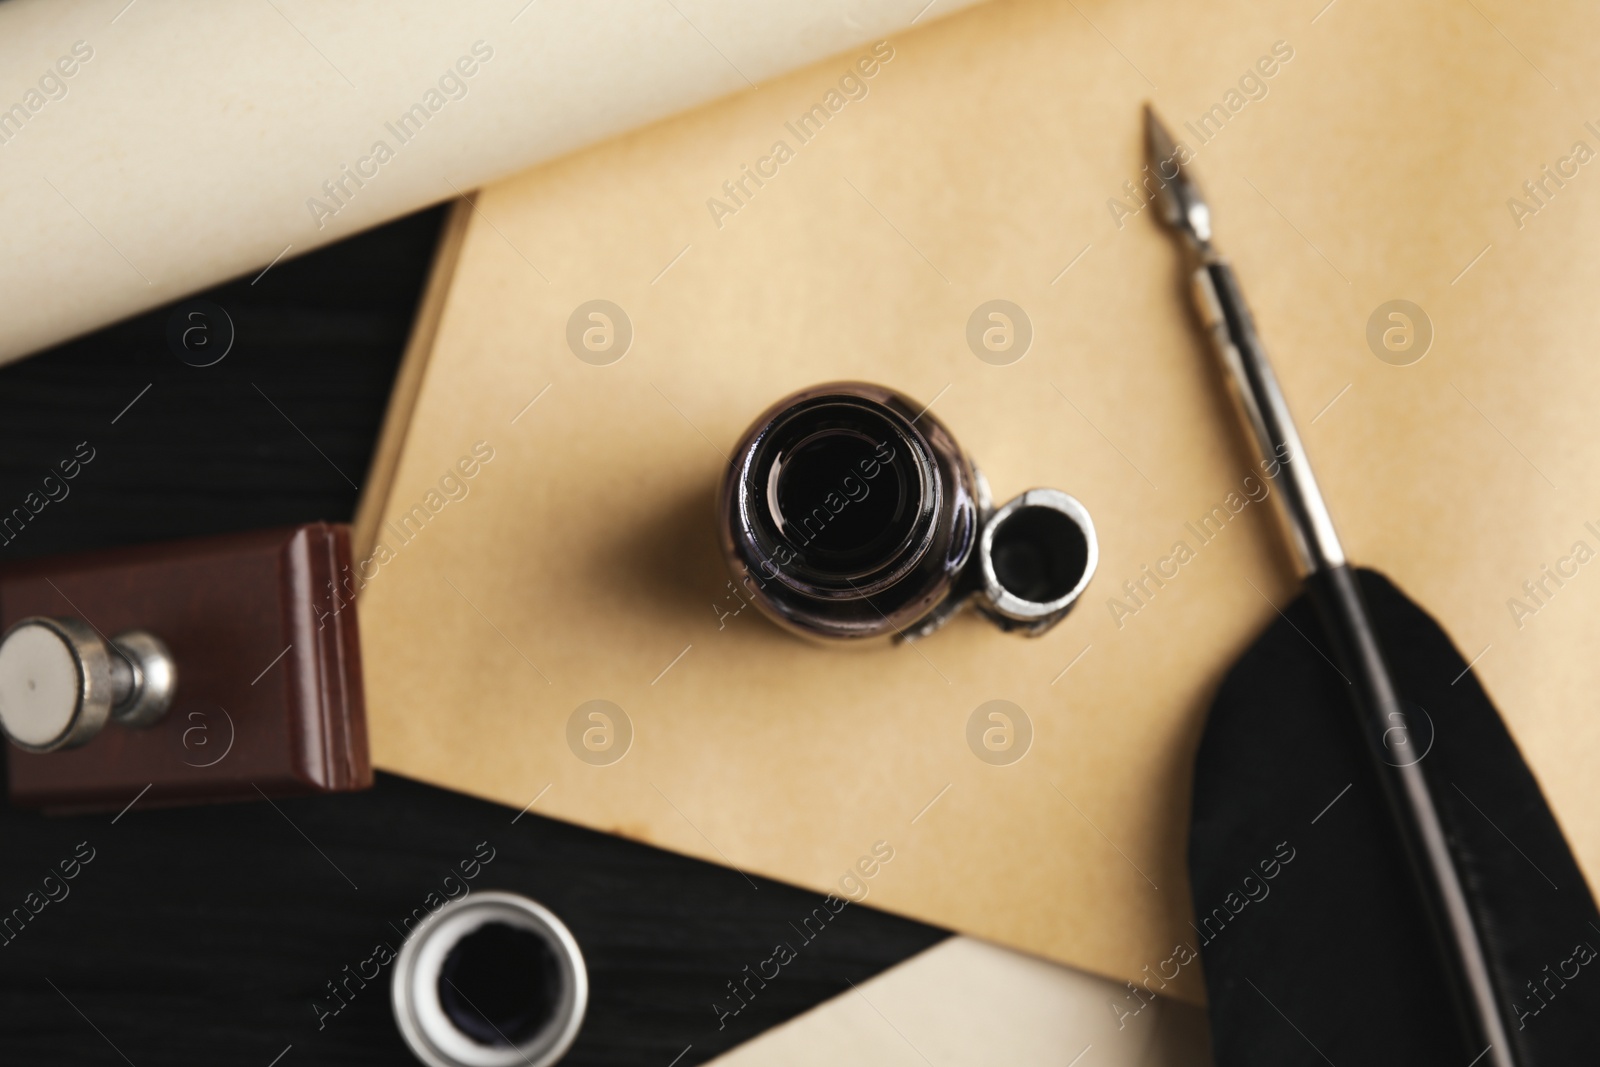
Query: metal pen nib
(1182, 206)
(1333, 589)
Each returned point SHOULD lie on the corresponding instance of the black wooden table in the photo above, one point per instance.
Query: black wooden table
(214, 935)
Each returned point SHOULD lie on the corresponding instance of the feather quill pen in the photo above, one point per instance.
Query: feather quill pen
(1466, 969)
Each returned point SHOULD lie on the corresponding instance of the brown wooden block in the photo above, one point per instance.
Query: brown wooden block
(262, 628)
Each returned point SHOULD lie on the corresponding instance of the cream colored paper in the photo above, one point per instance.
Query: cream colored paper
(180, 143)
(964, 1001)
(982, 163)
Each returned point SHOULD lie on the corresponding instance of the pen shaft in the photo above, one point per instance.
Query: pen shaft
(1347, 624)
(1307, 525)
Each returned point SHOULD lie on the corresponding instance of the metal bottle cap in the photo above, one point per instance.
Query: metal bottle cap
(1037, 554)
(490, 980)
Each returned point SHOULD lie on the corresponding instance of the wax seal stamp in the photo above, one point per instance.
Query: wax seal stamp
(220, 668)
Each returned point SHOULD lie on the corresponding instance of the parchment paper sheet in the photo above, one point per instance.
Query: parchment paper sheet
(1358, 154)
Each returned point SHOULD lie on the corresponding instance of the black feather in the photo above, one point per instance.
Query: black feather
(1329, 960)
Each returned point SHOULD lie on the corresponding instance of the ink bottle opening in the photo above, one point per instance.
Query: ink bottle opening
(849, 512)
